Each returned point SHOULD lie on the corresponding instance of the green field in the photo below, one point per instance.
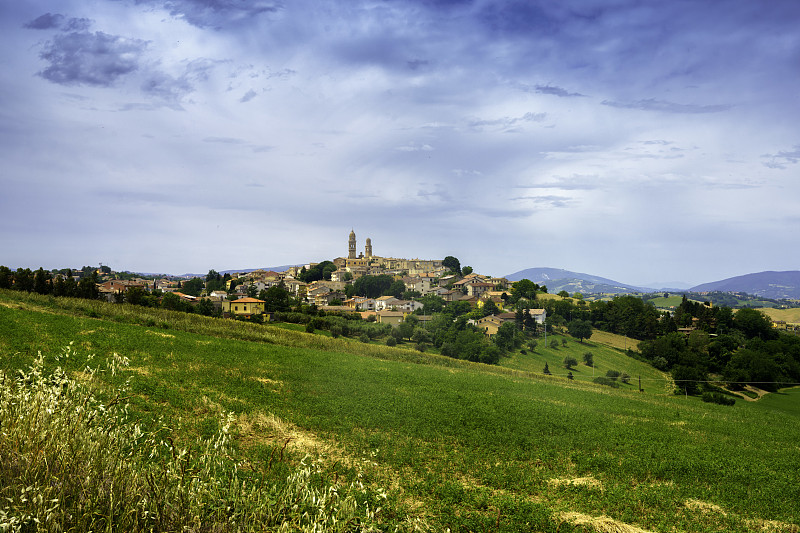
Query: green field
(450, 444)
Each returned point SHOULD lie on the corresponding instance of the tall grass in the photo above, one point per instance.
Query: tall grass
(70, 461)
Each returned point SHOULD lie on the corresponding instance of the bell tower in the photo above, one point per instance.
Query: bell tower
(352, 245)
(368, 248)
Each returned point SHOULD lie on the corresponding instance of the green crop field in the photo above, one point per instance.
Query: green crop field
(436, 443)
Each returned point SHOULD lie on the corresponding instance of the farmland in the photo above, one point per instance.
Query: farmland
(439, 443)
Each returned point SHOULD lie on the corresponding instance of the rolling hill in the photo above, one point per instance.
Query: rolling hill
(416, 441)
(769, 284)
(558, 279)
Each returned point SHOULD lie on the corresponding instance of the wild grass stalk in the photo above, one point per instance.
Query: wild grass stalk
(71, 461)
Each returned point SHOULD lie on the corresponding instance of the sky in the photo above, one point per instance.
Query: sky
(646, 142)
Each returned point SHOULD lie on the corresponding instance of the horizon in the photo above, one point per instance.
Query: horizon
(635, 142)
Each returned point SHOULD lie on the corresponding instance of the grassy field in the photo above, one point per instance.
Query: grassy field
(790, 316)
(446, 443)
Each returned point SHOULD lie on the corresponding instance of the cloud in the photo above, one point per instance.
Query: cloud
(507, 122)
(548, 200)
(249, 95)
(555, 91)
(576, 182)
(83, 58)
(651, 104)
(413, 147)
(417, 63)
(218, 13)
(223, 140)
(46, 22)
(171, 90)
(781, 159)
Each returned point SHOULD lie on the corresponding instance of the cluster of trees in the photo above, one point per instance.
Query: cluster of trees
(43, 282)
(320, 271)
(742, 347)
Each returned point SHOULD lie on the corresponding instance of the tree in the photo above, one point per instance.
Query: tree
(753, 324)
(570, 376)
(276, 298)
(42, 282)
(588, 359)
(546, 370)
(452, 264)
(523, 289)
(569, 362)
(396, 289)
(580, 329)
(5, 277)
(23, 280)
(466, 271)
(372, 286)
(87, 287)
(206, 307)
(405, 329)
(193, 287)
(490, 308)
(420, 336)
(134, 295)
(506, 336)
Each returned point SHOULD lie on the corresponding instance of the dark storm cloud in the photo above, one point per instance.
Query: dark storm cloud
(87, 58)
(217, 13)
(46, 22)
(651, 104)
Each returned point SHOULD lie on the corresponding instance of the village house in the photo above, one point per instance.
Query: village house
(243, 307)
(393, 318)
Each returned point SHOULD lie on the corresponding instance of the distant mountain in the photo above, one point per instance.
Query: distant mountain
(557, 280)
(775, 285)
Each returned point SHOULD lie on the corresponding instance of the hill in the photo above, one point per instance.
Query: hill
(421, 442)
(769, 284)
(557, 280)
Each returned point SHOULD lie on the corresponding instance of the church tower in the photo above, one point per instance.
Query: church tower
(352, 250)
(368, 248)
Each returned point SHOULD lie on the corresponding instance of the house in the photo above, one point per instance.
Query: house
(476, 288)
(489, 324)
(360, 303)
(243, 307)
(394, 318)
(417, 283)
(325, 299)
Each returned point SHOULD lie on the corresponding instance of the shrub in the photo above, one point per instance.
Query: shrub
(716, 397)
(391, 341)
(602, 380)
(613, 374)
(625, 377)
(364, 338)
(588, 359)
(570, 361)
(309, 328)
